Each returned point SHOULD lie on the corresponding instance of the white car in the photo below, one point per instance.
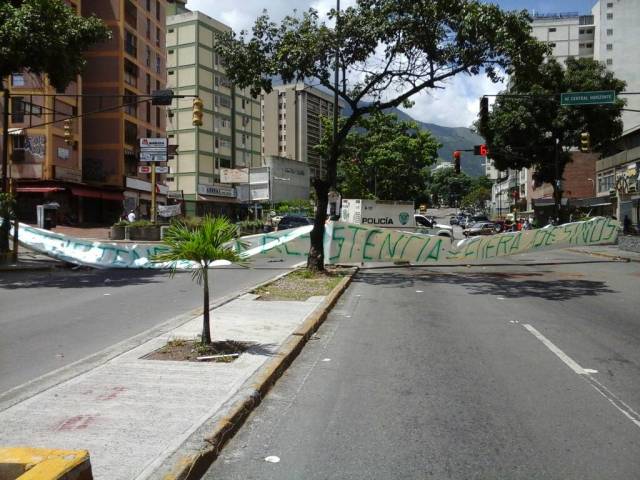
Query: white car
(430, 227)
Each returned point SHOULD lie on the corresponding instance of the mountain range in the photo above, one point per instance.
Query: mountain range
(451, 138)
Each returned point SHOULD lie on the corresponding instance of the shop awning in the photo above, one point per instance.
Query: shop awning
(94, 193)
(39, 189)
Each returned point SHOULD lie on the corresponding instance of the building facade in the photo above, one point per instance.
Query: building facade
(292, 124)
(43, 166)
(568, 34)
(132, 63)
(230, 135)
(617, 35)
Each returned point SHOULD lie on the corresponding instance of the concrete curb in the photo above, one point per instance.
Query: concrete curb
(63, 374)
(604, 255)
(25, 463)
(232, 415)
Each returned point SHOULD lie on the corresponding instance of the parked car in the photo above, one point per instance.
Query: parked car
(481, 228)
(293, 221)
(429, 226)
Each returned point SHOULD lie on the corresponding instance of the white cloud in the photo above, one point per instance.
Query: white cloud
(456, 105)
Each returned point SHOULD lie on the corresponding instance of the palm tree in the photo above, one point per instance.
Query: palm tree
(203, 244)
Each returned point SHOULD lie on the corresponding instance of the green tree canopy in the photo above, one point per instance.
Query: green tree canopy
(383, 158)
(445, 187)
(521, 130)
(46, 37)
(390, 51)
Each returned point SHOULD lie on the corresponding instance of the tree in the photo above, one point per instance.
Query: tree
(447, 187)
(44, 37)
(203, 244)
(535, 131)
(477, 197)
(390, 50)
(382, 158)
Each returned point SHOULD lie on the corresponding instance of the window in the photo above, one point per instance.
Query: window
(605, 181)
(158, 117)
(130, 43)
(130, 73)
(148, 56)
(157, 10)
(609, 4)
(148, 28)
(157, 36)
(589, 31)
(148, 5)
(171, 72)
(148, 84)
(552, 44)
(609, 32)
(130, 133)
(17, 80)
(609, 46)
(609, 16)
(148, 113)
(589, 45)
(581, 31)
(581, 45)
(130, 101)
(609, 61)
(552, 30)
(158, 63)
(18, 143)
(246, 120)
(17, 109)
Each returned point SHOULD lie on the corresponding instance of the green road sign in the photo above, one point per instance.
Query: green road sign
(588, 98)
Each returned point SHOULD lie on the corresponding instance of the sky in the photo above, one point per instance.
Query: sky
(454, 106)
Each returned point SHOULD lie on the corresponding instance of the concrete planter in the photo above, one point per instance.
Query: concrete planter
(630, 243)
(150, 233)
(117, 232)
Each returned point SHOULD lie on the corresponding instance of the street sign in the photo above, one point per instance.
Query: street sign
(153, 143)
(144, 169)
(588, 98)
(153, 157)
(162, 169)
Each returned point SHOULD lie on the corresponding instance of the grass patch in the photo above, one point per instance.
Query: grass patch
(301, 284)
(190, 350)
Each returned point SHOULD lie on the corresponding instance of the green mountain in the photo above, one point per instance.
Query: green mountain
(453, 138)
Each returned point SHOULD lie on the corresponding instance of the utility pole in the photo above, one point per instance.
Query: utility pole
(336, 86)
(557, 192)
(5, 139)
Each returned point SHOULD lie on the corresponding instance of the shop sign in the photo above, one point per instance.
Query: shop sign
(217, 190)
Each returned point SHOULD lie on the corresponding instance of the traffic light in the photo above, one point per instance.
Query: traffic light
(585, 142)
(484, 113)
(456, 161)
(161, 97)
(68, 135)
(197, 112)
(480, 150)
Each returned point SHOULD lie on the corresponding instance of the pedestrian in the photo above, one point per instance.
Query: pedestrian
(626, 224)
(131, 217)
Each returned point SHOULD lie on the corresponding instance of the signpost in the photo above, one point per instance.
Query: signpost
(588, 98)
(153, 150)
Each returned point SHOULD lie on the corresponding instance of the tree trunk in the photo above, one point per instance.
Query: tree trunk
(206, 329)
(315, 261)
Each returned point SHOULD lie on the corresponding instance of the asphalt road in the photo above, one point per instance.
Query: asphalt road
(522, 371)
(51, 319)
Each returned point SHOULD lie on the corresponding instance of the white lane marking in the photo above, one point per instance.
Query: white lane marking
(326, 359)
(625, 409)
(272, 459)
(572, 364)
(419, 291)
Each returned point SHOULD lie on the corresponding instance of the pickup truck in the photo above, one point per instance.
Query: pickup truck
(430, 227)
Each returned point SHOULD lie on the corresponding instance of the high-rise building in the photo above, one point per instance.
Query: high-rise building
(568, 34)
(45, 167)
(617, 36)
(132, 63)
(292, 123)
(229, 138)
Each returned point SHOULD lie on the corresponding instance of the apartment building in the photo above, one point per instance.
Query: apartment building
(617, 36)
(292, 124)
(568, 34)
(230, 135)
(132, 63)
(43, 167)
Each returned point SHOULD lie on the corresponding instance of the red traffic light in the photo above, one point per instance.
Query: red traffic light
(480, 150)
(456, 154)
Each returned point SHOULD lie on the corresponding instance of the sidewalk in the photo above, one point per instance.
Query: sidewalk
(607, 251)
(144, 418)
(29, 260)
